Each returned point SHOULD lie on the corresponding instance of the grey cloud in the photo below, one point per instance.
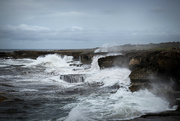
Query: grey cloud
(38, 33)
(88, 22)
(74, 33)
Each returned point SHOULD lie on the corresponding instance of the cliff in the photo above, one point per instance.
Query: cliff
(145, 62)
(155, 70)
(148, 66)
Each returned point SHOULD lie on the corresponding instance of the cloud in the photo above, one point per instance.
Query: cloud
(77, 36)
(39, 33)
(74, 33)
(24, 27)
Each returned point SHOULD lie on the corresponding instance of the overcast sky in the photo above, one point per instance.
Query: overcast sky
(70, 24)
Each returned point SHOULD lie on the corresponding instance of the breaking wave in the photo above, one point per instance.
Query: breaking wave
(117, 105)
(102, 94)
(53, 60)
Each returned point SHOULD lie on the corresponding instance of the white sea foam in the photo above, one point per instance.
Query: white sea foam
(76, 113)
(94, 64)
(54, 63)
(110, 77)
(52, 60)
(120, 105)
(15, 61)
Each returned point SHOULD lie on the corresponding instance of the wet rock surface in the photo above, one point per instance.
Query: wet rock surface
(73, 78)
(147, 65)
(155, 70)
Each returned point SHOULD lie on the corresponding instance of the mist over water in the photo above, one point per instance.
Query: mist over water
(36, 91)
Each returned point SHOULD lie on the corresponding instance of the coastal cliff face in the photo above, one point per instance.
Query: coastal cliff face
(144, 64)
(157, 71)
(148, 66)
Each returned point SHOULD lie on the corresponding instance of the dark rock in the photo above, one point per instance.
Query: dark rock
(157, 71)
(34, 54)
(73, 78)
(86, 58)
(76, 64)
(2, 98)
(147, 65)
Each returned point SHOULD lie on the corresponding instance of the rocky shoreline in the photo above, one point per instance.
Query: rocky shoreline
(156, 68)
(33, 54)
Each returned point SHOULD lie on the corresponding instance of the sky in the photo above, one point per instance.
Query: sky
(77, 24)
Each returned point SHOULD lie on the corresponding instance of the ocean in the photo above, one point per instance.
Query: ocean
(57, 88)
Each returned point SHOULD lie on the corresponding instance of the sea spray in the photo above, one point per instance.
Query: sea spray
(103, 95)
(53, 60)
(110, 77)
(121, 105)
(54, 63)
(94, 64)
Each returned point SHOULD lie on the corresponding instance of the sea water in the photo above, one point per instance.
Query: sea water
(35, 91)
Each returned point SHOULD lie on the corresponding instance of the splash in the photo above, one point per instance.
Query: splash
(103, 95)
(120, 105)
(53, 63)
(125, 105)
(53, 60)
(110, 77)
(94, 64)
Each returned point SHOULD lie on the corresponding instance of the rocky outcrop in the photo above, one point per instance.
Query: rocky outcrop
(147, 66)
(73, 78)
(34, 54)
(155, 70)
(86, 58)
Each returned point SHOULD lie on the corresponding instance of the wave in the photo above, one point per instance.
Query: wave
(53, 64)
(119, 105)
(122, 105)
(109, 99)
(15, 62)
(53, 60)
(110, 77)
